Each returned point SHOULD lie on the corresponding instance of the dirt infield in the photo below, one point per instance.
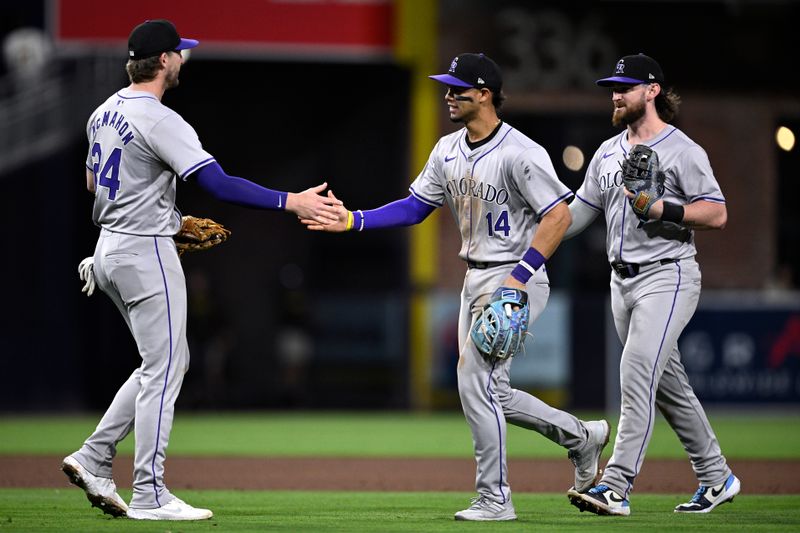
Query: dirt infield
(660, 476)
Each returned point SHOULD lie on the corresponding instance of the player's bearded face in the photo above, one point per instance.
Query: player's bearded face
(629, 108)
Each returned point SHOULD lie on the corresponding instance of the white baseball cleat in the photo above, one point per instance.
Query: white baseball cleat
(101, 491)
(484, 510)
(177, 509)
(600, 500)
(706, 497)
(587, 459)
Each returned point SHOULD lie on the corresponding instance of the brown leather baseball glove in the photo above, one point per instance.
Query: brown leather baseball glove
(199, 234)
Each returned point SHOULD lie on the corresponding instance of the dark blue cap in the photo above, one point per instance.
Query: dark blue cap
(154, 37)
(472, 70)
(633, 70)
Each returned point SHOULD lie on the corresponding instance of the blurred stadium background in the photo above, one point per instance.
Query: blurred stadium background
(291, 93)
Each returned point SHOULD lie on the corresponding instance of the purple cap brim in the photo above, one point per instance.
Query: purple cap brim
(614, 80)
(187, 43)
(447, 79)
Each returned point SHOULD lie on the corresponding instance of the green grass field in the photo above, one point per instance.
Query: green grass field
(377, 435)
(381, 435)
(43, 510)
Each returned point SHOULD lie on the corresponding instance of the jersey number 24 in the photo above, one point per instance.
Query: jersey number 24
(109, 176)
(499, 225)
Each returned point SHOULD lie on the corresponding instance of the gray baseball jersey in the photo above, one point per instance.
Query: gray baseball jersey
(652, 307)
(688, 178)
(137, 148)
(497, 192)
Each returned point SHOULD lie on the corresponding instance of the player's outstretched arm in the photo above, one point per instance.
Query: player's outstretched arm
(311, 205)
(232, 189)
(337, 226)
(406, 212)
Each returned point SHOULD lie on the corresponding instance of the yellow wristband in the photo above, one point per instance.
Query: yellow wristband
(349, 225)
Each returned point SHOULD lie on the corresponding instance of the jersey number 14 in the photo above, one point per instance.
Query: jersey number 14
(109, 176)
(500, 225)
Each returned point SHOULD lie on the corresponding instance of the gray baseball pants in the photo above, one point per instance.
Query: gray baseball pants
(143, 277)
(487, 398)
(650, 311)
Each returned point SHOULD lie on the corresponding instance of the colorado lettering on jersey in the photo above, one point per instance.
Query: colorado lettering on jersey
(116, 121)
(476, 189)
(609, 180)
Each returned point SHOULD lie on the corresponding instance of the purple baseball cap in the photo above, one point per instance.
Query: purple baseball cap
(634, 69)
(472, 70)
(154, 37)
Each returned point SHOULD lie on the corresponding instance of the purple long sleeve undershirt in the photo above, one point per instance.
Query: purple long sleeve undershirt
(235, 190)
(238, 191)
(406, 212)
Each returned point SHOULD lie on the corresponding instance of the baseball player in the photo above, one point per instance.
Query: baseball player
(509, 205)
(655, 285)
(138, 149)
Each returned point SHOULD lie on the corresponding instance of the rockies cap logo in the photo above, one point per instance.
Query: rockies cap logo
(620, 67)
(453, 65)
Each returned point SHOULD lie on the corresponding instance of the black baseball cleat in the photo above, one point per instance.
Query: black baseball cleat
(707, 498)
(600, 500)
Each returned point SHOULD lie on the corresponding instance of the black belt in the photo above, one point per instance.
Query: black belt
(629, 270)
(488, 264)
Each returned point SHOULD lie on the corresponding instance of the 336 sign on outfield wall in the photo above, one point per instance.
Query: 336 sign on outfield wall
(745, 353)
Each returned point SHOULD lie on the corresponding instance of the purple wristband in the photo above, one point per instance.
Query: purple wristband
(529, 264)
